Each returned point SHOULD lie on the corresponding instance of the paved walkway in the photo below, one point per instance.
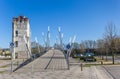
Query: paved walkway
(52, 60)
(113, 70)
(92, 72)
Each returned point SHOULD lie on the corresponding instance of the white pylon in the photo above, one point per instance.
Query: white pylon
(70, 40)
(48, 37)
(74, 38)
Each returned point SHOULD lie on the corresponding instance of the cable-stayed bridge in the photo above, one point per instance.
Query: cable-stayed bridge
(54, 58)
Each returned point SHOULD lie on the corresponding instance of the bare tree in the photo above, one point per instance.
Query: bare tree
(92, 45)
(106, 47)
(89, 45)
(1, 51)
(117, 44)
(100, 47)
(82, 48)
(110, 35)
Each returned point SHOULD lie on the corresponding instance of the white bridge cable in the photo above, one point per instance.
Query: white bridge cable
(37, 44)
(29, 53)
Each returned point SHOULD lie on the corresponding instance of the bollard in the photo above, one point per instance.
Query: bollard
(101, 62)
(81, 65)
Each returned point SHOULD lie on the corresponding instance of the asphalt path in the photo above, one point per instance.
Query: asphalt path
(113, 70)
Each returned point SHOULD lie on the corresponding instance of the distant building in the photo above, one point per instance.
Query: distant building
(21, 28)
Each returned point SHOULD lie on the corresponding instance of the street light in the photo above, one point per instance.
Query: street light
(12, 55)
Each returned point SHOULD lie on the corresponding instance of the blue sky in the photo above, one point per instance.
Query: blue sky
(84, 18)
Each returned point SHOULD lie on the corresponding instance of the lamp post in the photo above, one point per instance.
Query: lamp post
(12, 51)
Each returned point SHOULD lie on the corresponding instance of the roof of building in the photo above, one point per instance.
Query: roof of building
(20, 18)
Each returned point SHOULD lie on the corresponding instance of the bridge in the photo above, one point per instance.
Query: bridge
(52, 60)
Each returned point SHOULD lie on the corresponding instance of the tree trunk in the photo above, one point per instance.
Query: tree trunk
(106, 56)
(113, 62)
(102, 56)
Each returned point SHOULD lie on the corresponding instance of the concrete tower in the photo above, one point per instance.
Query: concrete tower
(21, 30)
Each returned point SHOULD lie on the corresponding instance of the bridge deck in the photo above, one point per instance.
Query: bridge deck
(52, 60)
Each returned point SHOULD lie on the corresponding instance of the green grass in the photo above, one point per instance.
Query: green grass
(5, 59)
(4, 66)
(89, 65)
(1, 72)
